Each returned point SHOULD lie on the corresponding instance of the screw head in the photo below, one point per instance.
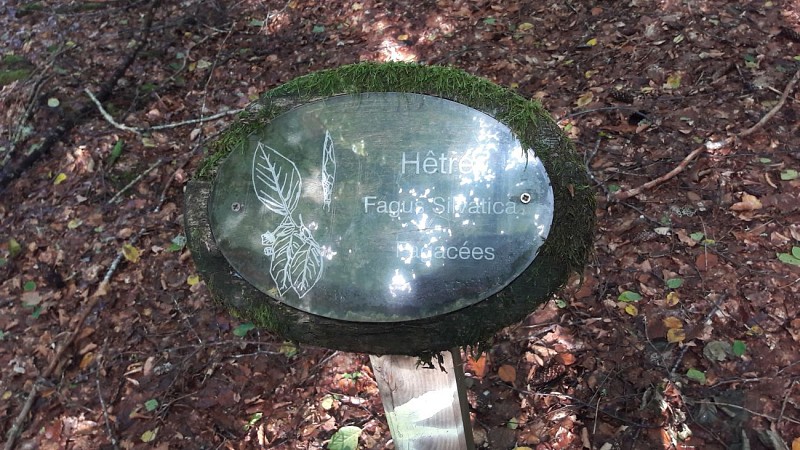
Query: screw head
(525, 198)
(236, 207)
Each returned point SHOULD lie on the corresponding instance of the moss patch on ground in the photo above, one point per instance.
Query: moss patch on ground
(13, 68)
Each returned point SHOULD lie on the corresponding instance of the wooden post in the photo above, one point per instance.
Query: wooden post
(426, 408)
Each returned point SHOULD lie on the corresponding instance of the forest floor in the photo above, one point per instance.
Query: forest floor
(684, 334)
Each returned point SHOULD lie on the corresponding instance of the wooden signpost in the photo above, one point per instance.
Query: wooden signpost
(395, 210)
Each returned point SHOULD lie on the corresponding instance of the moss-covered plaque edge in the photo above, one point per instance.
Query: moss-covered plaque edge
(564, 252)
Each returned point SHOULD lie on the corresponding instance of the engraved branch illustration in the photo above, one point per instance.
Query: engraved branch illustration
(328, 171)
(296, 257)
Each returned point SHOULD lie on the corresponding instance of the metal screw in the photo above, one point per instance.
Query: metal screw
(236, 207)
(525, 198)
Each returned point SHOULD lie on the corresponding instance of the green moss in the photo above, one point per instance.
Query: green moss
(13, 68)
(10, 60)
(266, 317)
(445, 82)
(10, 76)
(29, 7)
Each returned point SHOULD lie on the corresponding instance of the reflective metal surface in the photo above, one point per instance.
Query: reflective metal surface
(381, 207)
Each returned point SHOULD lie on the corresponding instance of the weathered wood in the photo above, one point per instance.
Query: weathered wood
(426, 407)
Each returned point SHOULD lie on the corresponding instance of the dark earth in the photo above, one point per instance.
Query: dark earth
(685, 330)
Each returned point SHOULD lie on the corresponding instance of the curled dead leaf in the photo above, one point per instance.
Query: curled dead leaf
(585, 99)
(673, 298)
(86, 361)
(685, 238)
(477, 367)
(130, 253)
(748, 203)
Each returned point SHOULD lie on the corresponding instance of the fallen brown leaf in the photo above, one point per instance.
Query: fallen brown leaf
(748, 203)
(706, 261)
(567, 359)
(672, 322)
(507, 373)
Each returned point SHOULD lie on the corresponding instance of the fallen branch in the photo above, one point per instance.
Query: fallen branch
(138, 130)
(775, 108)
(106, 115)
(135, 180)
(623, 195)
(742, 408)
(101, 291)
(11, 172)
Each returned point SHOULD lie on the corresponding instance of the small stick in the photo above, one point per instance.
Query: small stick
(166, 126)
(218, 115)
(107, 116)
(110, 433)
(750, 411)
(785, 399)
(135, 180)
(775, 108)
(623, 195)
(13, 433)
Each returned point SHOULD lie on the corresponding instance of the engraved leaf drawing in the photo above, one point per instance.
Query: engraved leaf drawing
(306, 263)
(328, 171)
(287, 242)
(296, 257)
(276, 180)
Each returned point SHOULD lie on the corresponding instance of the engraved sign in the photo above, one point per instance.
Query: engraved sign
(381, 207)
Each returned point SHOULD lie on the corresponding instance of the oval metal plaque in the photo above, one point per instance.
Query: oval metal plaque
(381, 207)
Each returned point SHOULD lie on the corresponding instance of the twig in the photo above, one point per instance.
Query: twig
(218, 115)
(42, 77)
(775, 108)
(137, 130)
(10, 172)
(186, 319)
(609, 108)
(107, 116)
(785, 399)
(587, 161)
(110, 433)
(135, 180)
(163, 197)
(749, 411)
(623, 195)
(101, 291)
(584, 405)
(16, 135)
